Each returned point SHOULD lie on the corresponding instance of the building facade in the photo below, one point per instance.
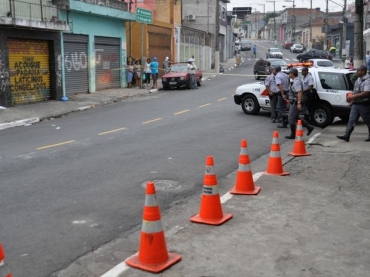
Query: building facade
(30, 51)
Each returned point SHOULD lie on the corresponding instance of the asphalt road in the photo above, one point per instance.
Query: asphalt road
(71, 184)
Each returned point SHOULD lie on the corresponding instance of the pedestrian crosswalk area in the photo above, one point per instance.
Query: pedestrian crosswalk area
(288, 60)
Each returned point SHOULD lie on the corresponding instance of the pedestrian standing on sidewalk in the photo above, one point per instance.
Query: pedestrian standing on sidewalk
(360, 103)
(154, 68)
(191, 71)
(271, 86)
(130, 75)
(166, 65)
(296, 105)
(147, 72)
(282, 81)
(137, 73)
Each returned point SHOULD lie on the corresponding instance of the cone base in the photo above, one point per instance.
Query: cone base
(278, 174)
(197, 219)
(299, 154)
(256, 190)
(156, 268)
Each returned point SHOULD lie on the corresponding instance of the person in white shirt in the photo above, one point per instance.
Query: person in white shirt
(191, 70)
(148, 72)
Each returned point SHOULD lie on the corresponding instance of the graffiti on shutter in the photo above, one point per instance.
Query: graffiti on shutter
(29, 70)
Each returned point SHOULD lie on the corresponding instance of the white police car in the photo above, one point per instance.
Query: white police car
(332, 87)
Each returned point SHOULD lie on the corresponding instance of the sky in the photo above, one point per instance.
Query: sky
(269, 6)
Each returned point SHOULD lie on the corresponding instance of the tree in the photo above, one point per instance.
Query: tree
(270, 15)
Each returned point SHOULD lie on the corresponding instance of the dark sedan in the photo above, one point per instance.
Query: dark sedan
(178, 76)
(314, 54)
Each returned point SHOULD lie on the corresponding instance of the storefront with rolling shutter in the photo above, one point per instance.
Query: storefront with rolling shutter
(29, 70)
(107, 63)
(76, 63)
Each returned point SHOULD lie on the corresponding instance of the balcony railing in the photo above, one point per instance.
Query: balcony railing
(114, 4)
(35, 10)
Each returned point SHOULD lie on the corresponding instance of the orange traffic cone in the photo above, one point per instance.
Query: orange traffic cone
(299, 148)
(153, 255)
(244, 179)
(275, 164)
(210, 206)
(4, 270)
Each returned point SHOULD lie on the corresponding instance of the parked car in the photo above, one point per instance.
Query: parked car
(321, 63)
(314, 54)
(260, 69)
(274, 53)
(332, 87)
(296, 48)
(178, 76)
(245, 45)
(287, 44)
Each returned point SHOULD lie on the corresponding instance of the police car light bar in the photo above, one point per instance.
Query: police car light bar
(299, 64)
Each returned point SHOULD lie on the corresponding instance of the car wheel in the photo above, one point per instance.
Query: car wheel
(250, 104)
(256, 76)
(322, 115)
(166, 87)
(199, 83)
(188, 84)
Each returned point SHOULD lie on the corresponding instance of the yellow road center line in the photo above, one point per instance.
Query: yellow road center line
(150, 121)
(111, 131)
(55, 145)
(184, 111)
(205, 105)
(221, 99)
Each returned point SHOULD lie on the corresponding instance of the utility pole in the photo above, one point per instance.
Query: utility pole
(274, 19)
(326, 25)
(310, 42)
(344, 31)
(217, 39)
(358, 40)
(293, 22)
(264, 21)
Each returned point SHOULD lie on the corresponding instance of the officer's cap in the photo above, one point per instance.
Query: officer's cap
(294, 71)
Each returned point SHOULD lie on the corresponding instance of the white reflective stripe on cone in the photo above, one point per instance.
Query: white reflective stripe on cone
(209, 170)
(243, 151)
(244, 167)
(299, 127)
(275, 141)
(298, 138)
(210, 190)
(150, 227)
(150, 200)
(275, 154)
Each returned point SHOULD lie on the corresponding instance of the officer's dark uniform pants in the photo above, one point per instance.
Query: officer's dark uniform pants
(281, 107)
(273, 103)
(357, 110)
(294, 116)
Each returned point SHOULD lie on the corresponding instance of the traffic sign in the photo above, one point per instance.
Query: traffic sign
(144, 16)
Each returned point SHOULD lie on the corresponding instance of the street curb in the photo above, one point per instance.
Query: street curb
(17, 123)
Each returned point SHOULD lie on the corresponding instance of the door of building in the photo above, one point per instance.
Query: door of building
(29, 70)
(107, 63)
(76, 63)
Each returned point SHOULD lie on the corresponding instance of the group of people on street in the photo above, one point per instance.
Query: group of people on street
(297, 93)
(135, 76)
(283, 93)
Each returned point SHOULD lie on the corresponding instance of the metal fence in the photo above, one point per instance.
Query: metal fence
(202, 54)
(36, 10)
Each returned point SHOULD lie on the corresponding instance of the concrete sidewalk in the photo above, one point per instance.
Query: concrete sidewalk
(314, 222)
(24, 115)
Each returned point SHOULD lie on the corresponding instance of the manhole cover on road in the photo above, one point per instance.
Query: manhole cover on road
(164, 184)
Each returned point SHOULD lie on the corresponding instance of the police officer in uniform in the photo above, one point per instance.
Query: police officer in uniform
(308, 95)
(360, 103)
(282, 82)
(296, 106)
(273, 90)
